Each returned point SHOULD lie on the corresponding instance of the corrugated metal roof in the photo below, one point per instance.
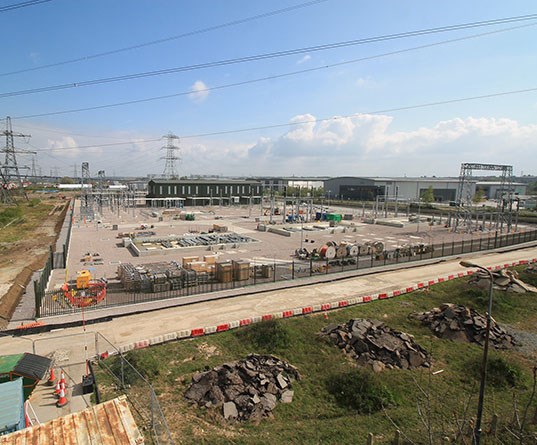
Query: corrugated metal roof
(11, 405)
(33, 366)
(110, 423)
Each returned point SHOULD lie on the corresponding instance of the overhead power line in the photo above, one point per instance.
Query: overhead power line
(266, 78)
(168, 39)
(22, 5)
(271, 55)
(308, 121)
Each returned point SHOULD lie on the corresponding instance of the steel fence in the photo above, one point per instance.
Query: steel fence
(54, 303)
(141, 396)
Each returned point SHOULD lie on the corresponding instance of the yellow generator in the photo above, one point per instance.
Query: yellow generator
(83, 278)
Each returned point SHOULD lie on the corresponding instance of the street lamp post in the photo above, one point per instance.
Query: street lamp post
(477, 429)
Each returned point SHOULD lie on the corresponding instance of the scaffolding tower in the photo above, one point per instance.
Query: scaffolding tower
(465, 210)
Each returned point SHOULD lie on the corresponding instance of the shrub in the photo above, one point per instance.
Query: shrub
(34, 202)
(267, 336)
(500, 372)
(360, 390)
(10, 214)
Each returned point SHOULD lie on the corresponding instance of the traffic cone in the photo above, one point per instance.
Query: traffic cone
(325, 315)
(62, 401)
(57, 390)
(62, 378)
(52, 377)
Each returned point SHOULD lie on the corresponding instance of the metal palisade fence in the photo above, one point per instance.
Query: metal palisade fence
(52, 303)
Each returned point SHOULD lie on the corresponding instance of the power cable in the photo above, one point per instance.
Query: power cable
(266, 78)
(168, 39)
(269, 55)
(22, 5)
(334, 118)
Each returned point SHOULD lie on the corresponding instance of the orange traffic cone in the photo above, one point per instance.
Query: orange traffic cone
(57, 390)
(52, 377)
(62, 377)
(62, 401)
(325, 315)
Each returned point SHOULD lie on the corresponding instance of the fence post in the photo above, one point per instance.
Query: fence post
(397, 438)
(370, 439)
(64, 256)
(494, 425)
(37, 295)
(122, 371)
(293, 270)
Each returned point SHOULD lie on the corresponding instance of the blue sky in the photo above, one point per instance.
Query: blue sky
(428, 141)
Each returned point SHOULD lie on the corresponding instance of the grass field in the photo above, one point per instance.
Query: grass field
(425, 406)
(17, 222)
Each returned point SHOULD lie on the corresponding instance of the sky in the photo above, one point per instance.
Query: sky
(353, 110)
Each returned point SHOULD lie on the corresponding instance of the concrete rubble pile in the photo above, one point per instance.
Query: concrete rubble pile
(504, 279)
(459, 323)
(247, 389)
(371, 342)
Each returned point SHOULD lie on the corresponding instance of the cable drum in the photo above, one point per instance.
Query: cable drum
(328, 252)
(341, 251)
(352, 250)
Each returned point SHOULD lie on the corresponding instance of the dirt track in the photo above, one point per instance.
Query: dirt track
(22, 258)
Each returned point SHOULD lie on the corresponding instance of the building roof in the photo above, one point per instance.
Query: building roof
(109, 423)
(11, 405)
(27, 365)
(505, 184)
(8, 362)
(203, 181)
(399, 179)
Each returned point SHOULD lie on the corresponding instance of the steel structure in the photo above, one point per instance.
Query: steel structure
(11, 177)
(172, 155)
(465, 210)
(86, 198)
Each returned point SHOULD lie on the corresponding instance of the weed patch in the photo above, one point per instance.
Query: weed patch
(360, 390)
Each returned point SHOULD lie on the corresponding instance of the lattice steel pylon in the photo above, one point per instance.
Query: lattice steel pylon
(11, 176)
(86, 207)
(172, 155)
(504, 212)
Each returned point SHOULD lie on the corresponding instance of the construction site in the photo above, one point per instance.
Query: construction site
(119, 253)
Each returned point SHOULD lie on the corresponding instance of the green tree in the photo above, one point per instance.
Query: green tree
(478, 197)
(67, 180)
(428, 195)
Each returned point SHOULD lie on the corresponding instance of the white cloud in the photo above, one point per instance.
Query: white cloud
(364, 145)
(358, 145)
(304, 59)
(199, 92)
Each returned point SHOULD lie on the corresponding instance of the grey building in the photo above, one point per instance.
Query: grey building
(188, 192)
(492, 189)
(367, 189)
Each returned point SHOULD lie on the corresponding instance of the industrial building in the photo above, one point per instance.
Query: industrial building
(492, 189)
(197, 192)
(367, 189)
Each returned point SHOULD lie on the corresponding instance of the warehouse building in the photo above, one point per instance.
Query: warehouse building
(198, 192)
(367, 189)
(492, 189)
